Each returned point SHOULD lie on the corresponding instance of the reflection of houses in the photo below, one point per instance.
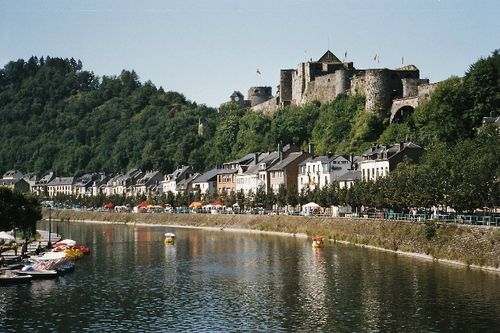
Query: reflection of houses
(61, 185)
(379, 160)
(148, 184)
(207, 182)
(169, 184)
(285, 171)
(40, 186)
(226, 179)
(321, 171)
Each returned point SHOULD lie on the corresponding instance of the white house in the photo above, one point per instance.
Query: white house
(321, 171)
(170, 181)
(256, 175)
(379, 160)
(206, 184)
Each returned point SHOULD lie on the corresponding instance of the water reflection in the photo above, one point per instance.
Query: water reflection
(223, 281)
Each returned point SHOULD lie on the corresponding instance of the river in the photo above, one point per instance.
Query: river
(229, 281)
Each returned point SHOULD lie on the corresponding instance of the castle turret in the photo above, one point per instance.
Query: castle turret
(377, 90)
(258, 95)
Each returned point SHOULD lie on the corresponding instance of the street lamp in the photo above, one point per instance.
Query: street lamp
(49, 244)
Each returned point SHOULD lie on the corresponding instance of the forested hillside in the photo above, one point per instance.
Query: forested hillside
(56, 116)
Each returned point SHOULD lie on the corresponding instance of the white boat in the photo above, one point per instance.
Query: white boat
(9, 277)
(37, 274)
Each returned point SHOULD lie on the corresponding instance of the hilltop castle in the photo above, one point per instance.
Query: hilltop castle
(397, 91)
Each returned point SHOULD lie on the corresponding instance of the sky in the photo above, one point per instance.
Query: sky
(206, 49)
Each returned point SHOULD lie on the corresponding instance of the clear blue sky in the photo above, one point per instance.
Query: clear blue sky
(206, 49)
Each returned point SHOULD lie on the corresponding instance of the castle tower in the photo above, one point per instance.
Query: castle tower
(258, 95)
(377, 90)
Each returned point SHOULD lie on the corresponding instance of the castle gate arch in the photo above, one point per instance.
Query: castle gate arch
(402, 109)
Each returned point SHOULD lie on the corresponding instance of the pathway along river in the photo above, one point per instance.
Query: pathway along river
(227, 281)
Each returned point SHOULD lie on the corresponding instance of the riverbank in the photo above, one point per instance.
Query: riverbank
(476, 247)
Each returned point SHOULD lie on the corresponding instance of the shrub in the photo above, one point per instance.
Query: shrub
(430, 229)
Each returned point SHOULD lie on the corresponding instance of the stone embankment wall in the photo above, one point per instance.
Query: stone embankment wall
(478, 246)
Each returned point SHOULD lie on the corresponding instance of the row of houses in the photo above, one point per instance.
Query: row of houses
(287, 167)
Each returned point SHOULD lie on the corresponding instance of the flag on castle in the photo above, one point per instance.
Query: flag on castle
(258, 71)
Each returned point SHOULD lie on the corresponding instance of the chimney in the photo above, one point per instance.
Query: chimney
(401, 146)
(255, 158)
(280, 151)
(493, 114)
(311, 150)
(374, 146)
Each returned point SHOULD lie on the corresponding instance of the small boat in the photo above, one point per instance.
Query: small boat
(318, 242)
(37, 274)
(169, 238)
(10, 277)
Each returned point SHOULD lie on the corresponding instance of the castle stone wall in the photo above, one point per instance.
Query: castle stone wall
(267, 107)
(323, 89)
(325, 79)
(425, 91)
(410, 87)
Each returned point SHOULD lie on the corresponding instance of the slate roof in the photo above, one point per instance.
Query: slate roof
(210, 175)
(350, 175)
(61, 181)
(280, 165)
(11, 173)
(183, 184)
(245, 159)
(46, 179)
(329, 57)
(322, 159)
(177, 173)
(390, 149)
(146, 178)
(267, 158)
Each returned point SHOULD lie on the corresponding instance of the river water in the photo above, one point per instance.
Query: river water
(226, 281)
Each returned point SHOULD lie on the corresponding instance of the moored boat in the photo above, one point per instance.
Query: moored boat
(37, 273)
(10, 277)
